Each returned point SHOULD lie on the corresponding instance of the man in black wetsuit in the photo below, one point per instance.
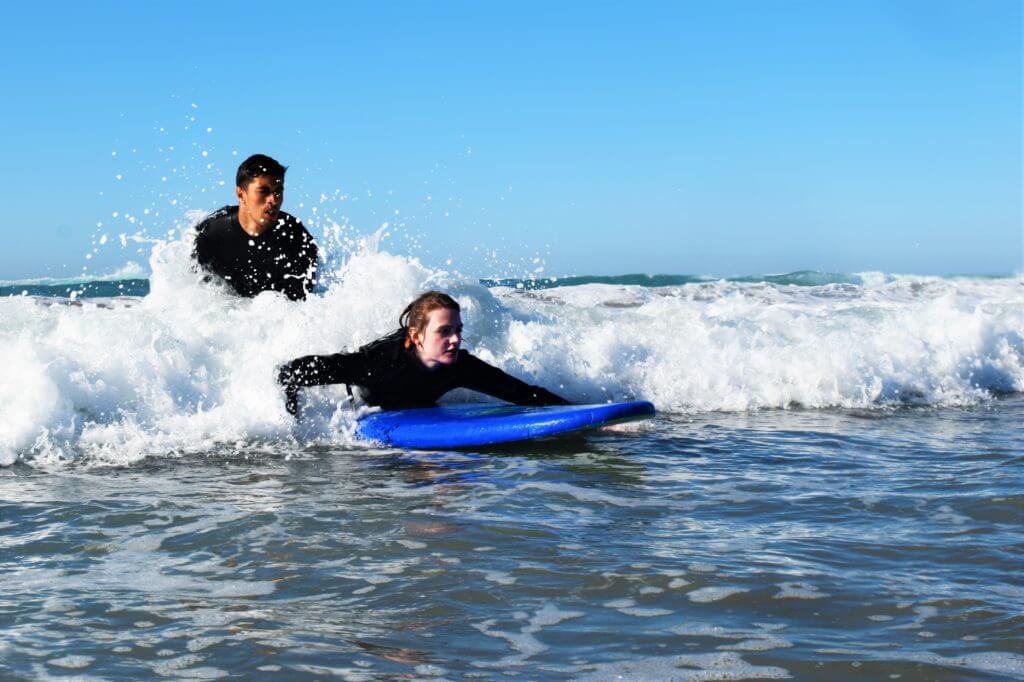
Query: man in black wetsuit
(256, 246)
(413, 366)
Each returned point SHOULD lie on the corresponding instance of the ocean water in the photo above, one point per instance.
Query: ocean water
(832, 488)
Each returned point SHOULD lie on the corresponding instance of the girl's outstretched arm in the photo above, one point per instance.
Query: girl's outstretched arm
(319, 370)
(477, 375)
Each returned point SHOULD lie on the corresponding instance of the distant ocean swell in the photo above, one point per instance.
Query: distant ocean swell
(86, 287)
(164, 365)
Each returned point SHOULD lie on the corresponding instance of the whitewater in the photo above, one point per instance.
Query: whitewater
(111, 380)
(830, 489)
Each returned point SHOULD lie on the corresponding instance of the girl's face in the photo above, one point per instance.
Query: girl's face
(438, 342)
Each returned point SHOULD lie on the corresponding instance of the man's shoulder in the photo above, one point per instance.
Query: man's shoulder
(220, 220)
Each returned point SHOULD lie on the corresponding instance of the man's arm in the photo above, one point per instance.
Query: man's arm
(201, 250)
(477, 375)
(208, 247)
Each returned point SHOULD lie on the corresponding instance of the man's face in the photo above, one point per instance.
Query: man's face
(262, 199)
(438, 343)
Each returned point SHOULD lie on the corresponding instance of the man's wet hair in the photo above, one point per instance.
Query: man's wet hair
(255, 166)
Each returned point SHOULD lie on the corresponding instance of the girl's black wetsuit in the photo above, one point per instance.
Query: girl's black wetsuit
(393, 378)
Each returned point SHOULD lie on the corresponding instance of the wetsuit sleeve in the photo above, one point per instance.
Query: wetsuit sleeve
(477, 375)
(202, 252)
(319, 370)
(208, 249)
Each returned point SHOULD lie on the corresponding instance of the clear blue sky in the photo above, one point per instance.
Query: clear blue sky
(677, 137)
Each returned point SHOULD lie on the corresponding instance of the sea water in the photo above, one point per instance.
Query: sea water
(832, 488)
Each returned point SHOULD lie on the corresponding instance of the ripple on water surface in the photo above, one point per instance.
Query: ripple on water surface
(753, 546)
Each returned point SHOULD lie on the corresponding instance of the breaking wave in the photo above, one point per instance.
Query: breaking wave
(113, 379)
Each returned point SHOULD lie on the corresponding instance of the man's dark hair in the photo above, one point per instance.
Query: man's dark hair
(255, 166)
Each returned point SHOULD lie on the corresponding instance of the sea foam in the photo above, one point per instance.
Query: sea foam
(190, 365)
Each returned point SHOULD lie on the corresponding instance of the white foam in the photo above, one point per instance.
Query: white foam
(179, 668)
(620, 603)
(646, 612)
(799, 591)
(705, 595)
(430, 670)
(763, 643)
(191, 365)
(498, 577)
(241, 588)
(1005, 663)
(700, 668)
(524, 641)
(72, 662)
(200, 643)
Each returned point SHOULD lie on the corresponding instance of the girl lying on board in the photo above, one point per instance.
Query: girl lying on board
(412, 366)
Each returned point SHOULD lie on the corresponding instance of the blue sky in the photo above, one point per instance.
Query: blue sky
(687, 138)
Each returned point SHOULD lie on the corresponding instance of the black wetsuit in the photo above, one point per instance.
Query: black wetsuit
(392, 377)
(283, 258)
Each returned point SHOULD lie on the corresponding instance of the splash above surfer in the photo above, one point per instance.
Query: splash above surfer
(256, 246)
(413, 366)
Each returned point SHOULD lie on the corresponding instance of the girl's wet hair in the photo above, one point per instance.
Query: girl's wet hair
(416, 313)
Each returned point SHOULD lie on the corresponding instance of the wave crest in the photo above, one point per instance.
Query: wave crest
(189, 364)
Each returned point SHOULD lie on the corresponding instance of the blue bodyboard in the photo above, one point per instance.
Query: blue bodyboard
(460, 426)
